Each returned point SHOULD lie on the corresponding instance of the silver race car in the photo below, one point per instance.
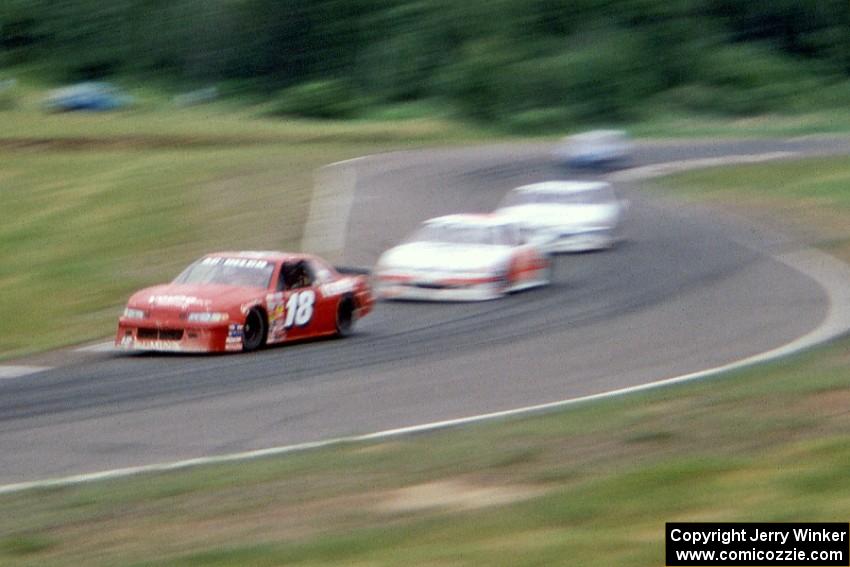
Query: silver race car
(566, 216)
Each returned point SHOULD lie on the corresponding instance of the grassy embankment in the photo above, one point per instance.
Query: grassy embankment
(589, 486)
(809, 199)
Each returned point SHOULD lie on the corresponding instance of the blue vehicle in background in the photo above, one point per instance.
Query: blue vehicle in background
(595, 150)
(90, 96)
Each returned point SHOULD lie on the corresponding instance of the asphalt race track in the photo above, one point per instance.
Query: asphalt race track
(687, 290)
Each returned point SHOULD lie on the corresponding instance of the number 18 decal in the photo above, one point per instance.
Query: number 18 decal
(299, 308)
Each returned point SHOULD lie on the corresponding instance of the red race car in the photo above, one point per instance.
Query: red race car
(240, 301)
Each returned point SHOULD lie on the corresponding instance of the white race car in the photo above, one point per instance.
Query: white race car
(566, 216)
(461, 258)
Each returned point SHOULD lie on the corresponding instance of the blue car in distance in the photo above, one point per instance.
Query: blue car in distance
(90, 96)
(595, 150)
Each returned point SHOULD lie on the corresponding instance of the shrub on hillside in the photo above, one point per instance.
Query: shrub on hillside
(542, 120)
(475, 81)
(745, 79)
(329, 99)
(602, 76)
(748, 66)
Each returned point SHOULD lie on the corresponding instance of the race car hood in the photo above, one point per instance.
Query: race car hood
(186, 297)
(443, 256)
(562, 216)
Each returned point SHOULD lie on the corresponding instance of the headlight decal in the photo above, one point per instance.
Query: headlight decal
(131, 313)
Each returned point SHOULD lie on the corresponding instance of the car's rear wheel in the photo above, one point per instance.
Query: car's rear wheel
(504, 282)
(548, 271)
(254, 331)
(345, 317)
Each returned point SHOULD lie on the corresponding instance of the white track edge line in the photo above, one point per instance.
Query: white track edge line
(104, 346)
(10, 371)
(671, 167)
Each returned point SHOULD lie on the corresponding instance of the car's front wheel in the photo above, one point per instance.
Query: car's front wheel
(254, 331)
(345, 317)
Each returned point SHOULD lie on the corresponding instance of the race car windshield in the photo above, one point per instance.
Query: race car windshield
(461, 234)
(240, 272)
(595, 197)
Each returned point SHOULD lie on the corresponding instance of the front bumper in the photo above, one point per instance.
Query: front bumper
(168, 336)
(452, 289)
(554, 242)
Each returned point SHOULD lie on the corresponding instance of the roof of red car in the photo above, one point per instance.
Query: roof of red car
(267, 255)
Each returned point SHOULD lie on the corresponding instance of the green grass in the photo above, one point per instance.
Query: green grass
(240, 111)
(589, 486)
(822, 181)
(808, 198)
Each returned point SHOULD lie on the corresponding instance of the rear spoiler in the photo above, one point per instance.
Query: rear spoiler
(353, 270)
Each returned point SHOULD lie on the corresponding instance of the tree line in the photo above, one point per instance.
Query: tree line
(523, 63)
